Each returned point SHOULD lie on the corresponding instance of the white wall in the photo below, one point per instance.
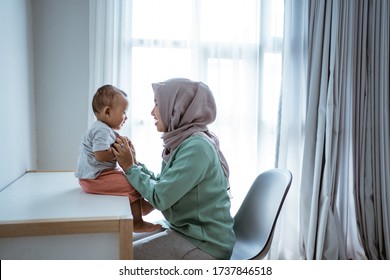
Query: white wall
(44, 58)
(61, 69)
(17, 121)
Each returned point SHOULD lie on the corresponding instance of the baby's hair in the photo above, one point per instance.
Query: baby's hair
(105, 96)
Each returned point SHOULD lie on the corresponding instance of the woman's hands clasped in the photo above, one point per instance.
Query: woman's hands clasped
(124, 152)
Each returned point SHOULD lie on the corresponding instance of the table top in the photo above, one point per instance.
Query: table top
(54, 196)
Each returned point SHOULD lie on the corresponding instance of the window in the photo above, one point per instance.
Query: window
(234, 46)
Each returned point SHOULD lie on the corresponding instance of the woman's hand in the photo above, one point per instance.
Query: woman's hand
(124, 152)
(132, 149)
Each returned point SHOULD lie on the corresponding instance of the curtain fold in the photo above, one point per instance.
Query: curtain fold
(315, 195)
(345, 172)
(327, 210)
(371, 130)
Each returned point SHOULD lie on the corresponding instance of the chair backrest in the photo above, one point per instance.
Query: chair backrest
(256, 218)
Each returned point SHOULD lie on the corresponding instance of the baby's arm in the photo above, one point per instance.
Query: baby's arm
(106, 155)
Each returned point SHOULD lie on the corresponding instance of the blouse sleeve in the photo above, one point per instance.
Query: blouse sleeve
(188, 167)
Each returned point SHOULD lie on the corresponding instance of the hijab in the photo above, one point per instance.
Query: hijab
(186, 108)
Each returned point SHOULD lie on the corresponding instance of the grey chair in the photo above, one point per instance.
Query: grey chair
(256, 218)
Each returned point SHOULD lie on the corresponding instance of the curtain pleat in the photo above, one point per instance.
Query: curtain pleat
(345, 173)
(314, 214)
(371, 146)
(327, 211)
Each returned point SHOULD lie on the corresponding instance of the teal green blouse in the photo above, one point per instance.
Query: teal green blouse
(191, 192)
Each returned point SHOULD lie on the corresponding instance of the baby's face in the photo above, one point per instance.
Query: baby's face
(118, 113)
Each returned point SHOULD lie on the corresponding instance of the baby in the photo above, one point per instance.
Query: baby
(97, 168)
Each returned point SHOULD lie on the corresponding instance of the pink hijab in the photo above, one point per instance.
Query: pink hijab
(186, 108)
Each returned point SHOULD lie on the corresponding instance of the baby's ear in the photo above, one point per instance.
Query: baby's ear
(107, 111)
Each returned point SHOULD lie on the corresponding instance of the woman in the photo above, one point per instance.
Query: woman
(192, 189)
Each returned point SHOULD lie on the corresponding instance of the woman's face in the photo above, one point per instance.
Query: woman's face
(157, 117)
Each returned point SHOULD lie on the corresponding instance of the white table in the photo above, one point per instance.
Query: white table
(46, 215)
